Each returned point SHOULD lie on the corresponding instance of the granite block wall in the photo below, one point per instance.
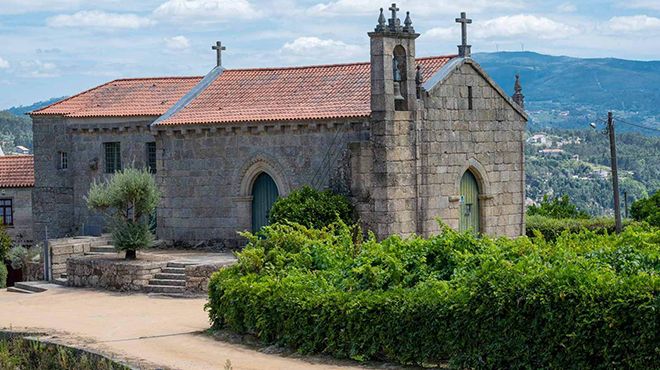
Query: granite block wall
(21, 230)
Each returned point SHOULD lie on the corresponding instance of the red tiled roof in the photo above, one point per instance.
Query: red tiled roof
(16, 171)
(124, 97)
(295, 93)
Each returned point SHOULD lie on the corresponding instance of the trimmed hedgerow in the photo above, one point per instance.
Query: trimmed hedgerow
(586, 301)
(551, 228)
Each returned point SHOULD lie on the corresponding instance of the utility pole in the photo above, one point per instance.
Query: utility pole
(615, 175)
(625, 204)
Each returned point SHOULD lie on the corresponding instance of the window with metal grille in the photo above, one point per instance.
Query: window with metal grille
(112, 157)
(64, 160)
(151, 157)
(6, 212)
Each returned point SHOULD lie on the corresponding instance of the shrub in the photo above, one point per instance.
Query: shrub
(129, 197)
(585, 301)
(560, 207)
(5, 243)
(647, 209)
(312, 208)
(3, 275)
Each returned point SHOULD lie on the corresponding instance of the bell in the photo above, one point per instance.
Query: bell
(397, 92)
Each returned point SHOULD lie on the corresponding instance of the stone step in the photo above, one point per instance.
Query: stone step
(61, 281)
(167, 282)
(173, 270)
(164, 275)
(179, 264)
(165, 289)
(14, 289)
(33, 286)
(103, 249)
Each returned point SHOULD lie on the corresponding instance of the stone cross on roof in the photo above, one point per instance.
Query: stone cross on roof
(218, 48)
(394, 22)
(464, 48)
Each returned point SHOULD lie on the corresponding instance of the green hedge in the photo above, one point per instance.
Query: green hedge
(3, 274)
(551, 228)
(312, 208)
(586, 301)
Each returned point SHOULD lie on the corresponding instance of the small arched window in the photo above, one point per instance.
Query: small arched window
(400, 76)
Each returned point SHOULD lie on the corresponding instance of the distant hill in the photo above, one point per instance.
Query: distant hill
(566, 92)
(19, 111)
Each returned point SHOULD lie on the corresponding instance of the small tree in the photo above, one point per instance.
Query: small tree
(557, 208)
(647, 209)
(129, 197)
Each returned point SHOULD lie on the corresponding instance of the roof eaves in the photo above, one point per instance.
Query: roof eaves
(191, 95)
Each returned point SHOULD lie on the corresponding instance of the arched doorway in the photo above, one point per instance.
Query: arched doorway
(264, 194)
(469, 207)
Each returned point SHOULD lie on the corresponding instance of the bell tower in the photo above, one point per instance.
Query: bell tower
(393, 67)
(393, 120)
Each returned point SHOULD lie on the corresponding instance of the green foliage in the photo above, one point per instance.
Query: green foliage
(23, 354)
(552, 228)
(5, 243)
(129, 197)
(647, 209)
(582, 302)
(556, 208)
(312, 208)
(15, 130)
(3, 275)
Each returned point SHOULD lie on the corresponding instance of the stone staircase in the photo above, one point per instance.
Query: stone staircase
(27, 287)
(170, 281)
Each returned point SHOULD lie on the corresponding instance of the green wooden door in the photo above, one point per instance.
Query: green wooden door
(469, 218)
(264, 194)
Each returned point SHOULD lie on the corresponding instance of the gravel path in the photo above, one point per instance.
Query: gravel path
(151, 332)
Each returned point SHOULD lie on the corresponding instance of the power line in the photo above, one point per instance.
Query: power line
(637, 125)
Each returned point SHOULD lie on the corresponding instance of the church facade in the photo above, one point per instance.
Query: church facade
(410, 140)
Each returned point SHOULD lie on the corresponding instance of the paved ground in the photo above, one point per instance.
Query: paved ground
(149, 331)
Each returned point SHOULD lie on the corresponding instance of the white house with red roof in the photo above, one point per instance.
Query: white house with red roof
(410, 140)
(16, 183)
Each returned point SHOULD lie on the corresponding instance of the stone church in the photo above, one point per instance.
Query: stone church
(411, 140)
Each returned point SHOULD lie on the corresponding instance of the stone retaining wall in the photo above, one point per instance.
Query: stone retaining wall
(198, 276)
(63, 249)
(112, 272)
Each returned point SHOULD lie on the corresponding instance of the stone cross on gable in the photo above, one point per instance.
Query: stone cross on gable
(464, 48)
(218, 48)
(394, 22)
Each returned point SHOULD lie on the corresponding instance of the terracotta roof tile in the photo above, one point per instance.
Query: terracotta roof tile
(295, 93)
(16, 171)
(125, 97)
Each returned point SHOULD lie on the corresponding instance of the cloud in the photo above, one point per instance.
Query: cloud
(523, 25)
(4, 64)
(566, 8)
(417, 8)
(23, 6)
(316, 49)
(642, 4)
(39, 69)
(442, 33)
(99, 19)
(206, 11)
(177, 43)
(633, 23)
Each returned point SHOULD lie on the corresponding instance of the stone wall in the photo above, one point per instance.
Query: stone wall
(21, 230)
(112, 272)
(487, 140)
(63, 249)
(198, 276)
(206, 173)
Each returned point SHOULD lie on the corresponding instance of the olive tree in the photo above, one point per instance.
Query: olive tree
(128, 198)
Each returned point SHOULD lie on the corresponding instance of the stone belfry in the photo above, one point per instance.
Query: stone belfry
(393, 118)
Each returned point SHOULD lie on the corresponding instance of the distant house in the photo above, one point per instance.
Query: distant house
(538, 139)
(16, 183)
(601, 173)
(21, 150)
(551, 152)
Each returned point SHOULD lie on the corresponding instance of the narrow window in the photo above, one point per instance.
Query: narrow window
(6, 212)
(64, 160)
(112, 157)
(151, 157)
(470, 97)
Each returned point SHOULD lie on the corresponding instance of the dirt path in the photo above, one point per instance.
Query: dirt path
(147, 331)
